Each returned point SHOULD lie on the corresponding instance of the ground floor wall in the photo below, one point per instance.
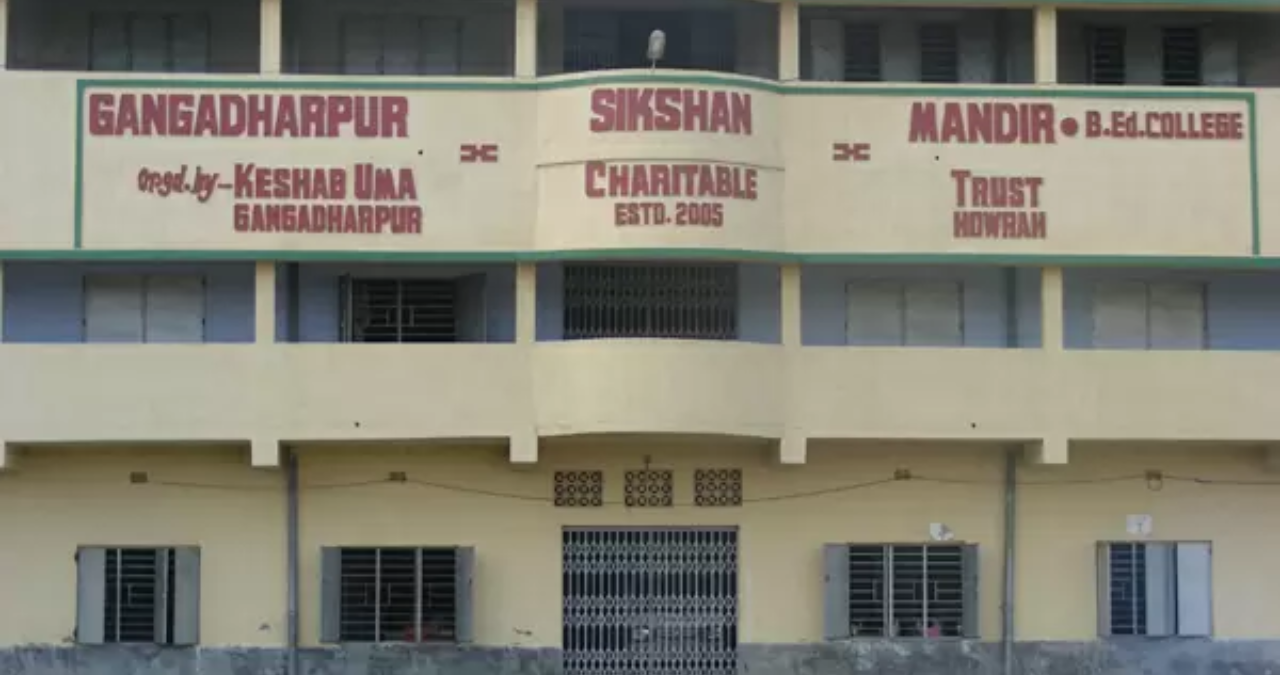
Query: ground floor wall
(57, 500)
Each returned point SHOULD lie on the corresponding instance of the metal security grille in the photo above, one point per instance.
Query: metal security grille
(1128, 578)
(1106, 55)
(1182, 64)
(651, 301)
(403, 310)
(398, 595)
(650, 601)
(138, 596)
(907, 591)
(862, 52)
(939, 53)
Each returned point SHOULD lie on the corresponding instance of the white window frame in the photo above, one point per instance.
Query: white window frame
(1176, 602)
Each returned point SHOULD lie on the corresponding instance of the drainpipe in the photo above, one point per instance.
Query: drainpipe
(1010, 557)
(291, 525)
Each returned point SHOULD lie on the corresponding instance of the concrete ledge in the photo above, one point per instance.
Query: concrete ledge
(1127, 657)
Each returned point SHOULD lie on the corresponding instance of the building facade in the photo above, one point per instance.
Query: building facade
(475, 337)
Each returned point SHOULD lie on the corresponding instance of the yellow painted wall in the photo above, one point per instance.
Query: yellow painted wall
(58, 499)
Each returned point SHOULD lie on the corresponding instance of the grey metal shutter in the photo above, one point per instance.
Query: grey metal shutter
(91, 592)
(933, 314)
(971, 566)
(1195, 589)
(826, 50)
(1162, 610)
(186, 590)
(361, 45)
(1120, 315)
(175, 309)
(1220, 56)
(875, 315)
(160, 599)
(401, 44)
(330, 594)
(113, 307)
(835, 591)
(472, 309)
(1104, 589)
(1176, 316)
(464, 605)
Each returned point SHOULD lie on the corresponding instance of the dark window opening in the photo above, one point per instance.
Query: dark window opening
(404, 310)
(149, 42)
(939, 53)
(698, 302)
(1181, 66)
(862, 60)
(604, 40)
(1106, 63)
(398, 595)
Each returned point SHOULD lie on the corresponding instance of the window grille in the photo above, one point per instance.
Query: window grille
(862, 61)
(901, 591)
(1181, 65)
(939, 53)
(138, 595)
(402, 310)
(1106, 63)
(1154, 589)
(698, 302)
(401, 44)
(149, 42)
(402, 594)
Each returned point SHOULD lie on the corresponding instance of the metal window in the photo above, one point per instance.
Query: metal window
(894, 313)
(639, 601)
(400, 310)
(862, 59)
(401, 44)
(138, 595)
(137, 308)
(1150, 315)
(1106, 63)
(1155, 589)
(901, 591)
(400, 594)
(1182, 65)
(149, 41)
(698, 302)
(939, 53)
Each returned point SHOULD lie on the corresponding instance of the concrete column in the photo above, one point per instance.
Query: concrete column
(526, 303)
(1051, 450)
(264, 453)
(526, 39)
(789, 40)
(1051, 309)
(264, 302)
(271, 37)
(790, 312)
(1046, 37)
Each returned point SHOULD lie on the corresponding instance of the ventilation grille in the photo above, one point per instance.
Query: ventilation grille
(1182, 64)
(717, 487)
(662, 301)
(1106, 55)
(648, 488)
(939, 53)
(862, 52)
(578, 489)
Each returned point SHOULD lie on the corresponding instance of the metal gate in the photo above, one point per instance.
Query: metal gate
(650, 601)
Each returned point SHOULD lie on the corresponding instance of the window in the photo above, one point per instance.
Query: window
(1181, 66)
(901, 590)
(1149, 315)
(412, 310)
(603, 39)
(149, 42)
(138, 595)
(1106, 63)
(862, 52)
(696, 302)
(916, 313)
(1162, 589)
(407, 44)
(939, 53)
(136, 308)
(396, 594)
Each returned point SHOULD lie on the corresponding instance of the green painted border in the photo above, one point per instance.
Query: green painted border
(573, 82)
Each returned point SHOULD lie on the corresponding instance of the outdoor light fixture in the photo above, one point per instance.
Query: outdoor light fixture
(657, 47)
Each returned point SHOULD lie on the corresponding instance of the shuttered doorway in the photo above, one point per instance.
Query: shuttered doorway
(652, 601)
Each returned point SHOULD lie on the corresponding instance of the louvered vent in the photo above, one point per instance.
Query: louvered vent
(1182, 58)
(939, 53)
(1106, 55)
(862, 52)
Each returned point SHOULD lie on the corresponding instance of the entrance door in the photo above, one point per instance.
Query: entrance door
(650, 601)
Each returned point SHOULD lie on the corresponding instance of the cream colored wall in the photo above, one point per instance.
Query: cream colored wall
(61, 499)
(1101, 196)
